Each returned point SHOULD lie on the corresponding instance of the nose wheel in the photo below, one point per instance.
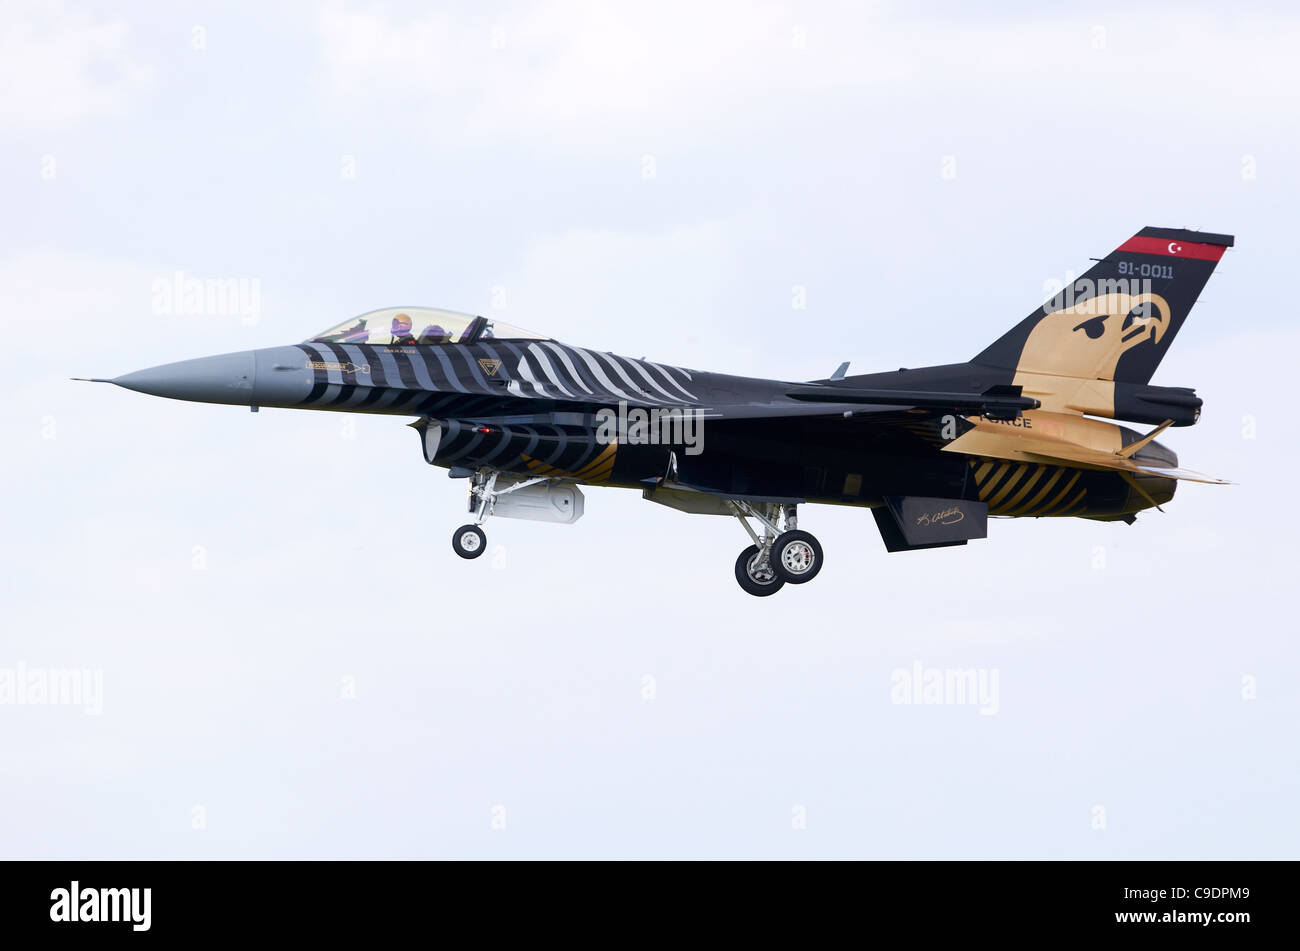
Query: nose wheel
(469, 541)
(780, 555)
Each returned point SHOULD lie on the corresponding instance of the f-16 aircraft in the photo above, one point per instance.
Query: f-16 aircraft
(932, 452)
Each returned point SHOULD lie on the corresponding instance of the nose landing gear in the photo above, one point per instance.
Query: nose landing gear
(780, 555)
(540, 498)
(469, 541)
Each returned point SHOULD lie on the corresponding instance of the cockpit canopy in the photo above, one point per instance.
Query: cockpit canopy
(407, 326)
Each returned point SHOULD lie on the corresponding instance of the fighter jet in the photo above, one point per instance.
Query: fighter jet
(1019, 431)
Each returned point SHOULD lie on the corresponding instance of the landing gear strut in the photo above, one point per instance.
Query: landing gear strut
(780, 555)
(470, 541)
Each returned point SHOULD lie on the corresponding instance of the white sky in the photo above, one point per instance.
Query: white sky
(507, 146)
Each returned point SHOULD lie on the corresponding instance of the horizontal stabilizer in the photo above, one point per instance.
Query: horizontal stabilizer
(1187, 475)
(1061, 440)
(1053, 452)
(1091, 459)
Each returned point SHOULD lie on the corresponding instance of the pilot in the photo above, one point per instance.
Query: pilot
(434, 333)
(402, 329)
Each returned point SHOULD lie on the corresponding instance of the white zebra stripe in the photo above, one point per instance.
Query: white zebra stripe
(327, 356)
(599, 374)
(551, 376)
(616, 363)
(682, 370)
(564, 358)
(421, 370)
(671, 379)
(526, 377)
(648, 378)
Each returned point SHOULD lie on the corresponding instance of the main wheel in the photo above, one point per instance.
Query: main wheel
(469, 541)
(796, 557)
(756, 575)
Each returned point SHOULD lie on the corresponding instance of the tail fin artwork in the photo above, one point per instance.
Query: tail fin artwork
(1099, 341)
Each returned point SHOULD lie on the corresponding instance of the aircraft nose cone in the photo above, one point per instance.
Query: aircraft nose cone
(222, 379)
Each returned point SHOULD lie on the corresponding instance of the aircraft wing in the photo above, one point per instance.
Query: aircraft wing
(573, 413)
(793, 410)
(997, 402)
(813, 400)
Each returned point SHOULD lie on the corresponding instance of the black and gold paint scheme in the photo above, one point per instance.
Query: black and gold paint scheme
(1029, 489)
(1013, 429)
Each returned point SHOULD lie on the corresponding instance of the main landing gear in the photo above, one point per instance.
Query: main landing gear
(780, 555)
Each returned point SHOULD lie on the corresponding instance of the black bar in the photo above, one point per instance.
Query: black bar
(915, 902)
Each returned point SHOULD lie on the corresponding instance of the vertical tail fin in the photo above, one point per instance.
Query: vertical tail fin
(1117, 321)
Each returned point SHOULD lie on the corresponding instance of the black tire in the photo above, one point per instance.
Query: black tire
(796, 557)
(468, 541)
(758, 588)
